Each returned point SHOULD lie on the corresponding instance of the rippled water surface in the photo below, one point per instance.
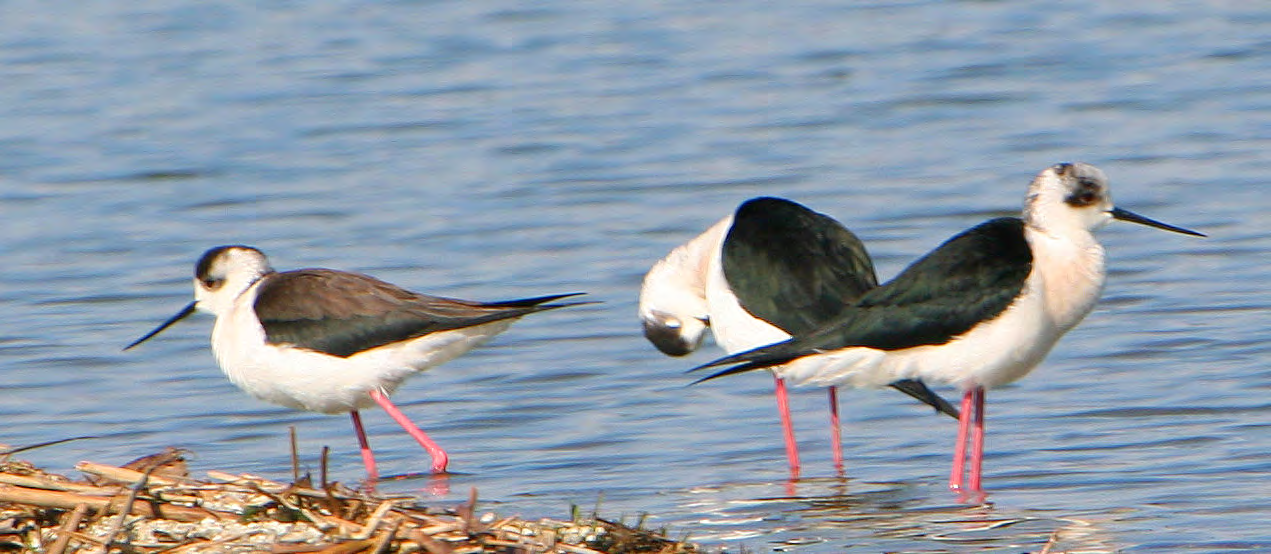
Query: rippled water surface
(493, 150)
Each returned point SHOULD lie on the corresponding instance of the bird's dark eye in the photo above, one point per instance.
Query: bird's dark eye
(211, 283)
(1084, 194)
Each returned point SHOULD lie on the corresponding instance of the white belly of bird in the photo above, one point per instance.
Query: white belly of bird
(1063, 287)
(991, 354)
(307, 380)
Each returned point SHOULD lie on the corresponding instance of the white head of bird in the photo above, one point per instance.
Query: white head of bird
(224, 273)
(1073, 200)
(1068, 199)
(674, 319)
(673, 306)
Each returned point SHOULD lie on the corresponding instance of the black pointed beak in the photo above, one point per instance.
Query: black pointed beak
(184, 313)
(1127, 215)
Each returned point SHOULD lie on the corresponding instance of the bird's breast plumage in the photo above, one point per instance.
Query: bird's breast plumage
(1072, 274)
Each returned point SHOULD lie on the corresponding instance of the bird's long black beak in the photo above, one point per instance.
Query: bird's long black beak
(184, 313)
(1127, 215)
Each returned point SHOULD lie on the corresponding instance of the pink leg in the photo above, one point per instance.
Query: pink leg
(836, 435)
(959, 449)
(368, 458)
(787, 427)
(977, 442)
(439, 458)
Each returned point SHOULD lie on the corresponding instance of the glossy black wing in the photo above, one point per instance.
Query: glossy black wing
(792, 267)
(971, 278)
(798, 269)
(341, 313)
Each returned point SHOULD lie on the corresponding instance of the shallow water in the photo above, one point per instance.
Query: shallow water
(493, 150)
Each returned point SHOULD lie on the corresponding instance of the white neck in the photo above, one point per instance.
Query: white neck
(1070, 269)
(676, 284)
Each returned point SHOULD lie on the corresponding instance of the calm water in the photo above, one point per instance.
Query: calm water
(492, 149)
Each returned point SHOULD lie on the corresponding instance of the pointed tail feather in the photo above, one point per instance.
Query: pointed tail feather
(538, 300)
(781, 353)
(764, 356)
(750, 360)
(730, 371)
(726, 360)
(919, 390)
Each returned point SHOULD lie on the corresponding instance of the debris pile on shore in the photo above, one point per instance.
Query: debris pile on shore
(151, 505)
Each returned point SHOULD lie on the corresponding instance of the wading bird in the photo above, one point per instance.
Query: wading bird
(980, 311)
(772, 269)
(332, 341)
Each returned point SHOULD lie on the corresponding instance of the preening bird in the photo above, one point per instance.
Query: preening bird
(772, 269)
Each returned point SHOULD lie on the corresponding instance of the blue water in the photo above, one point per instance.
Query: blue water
(492, 150)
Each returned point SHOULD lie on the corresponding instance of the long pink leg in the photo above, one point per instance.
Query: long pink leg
(959, 449)
(977, 442)
(836, 434)
(787, 427)
(368, 458)
(439, 458)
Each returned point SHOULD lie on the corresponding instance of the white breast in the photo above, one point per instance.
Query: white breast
(1072, 272)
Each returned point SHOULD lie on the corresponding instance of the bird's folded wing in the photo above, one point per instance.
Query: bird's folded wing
(341, 313)
(792, 267)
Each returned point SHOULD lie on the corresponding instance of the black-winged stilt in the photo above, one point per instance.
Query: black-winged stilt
(332, 341)
(981, 310)
(772, 269)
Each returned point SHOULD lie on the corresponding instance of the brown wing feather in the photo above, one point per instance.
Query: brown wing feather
(342, 313)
